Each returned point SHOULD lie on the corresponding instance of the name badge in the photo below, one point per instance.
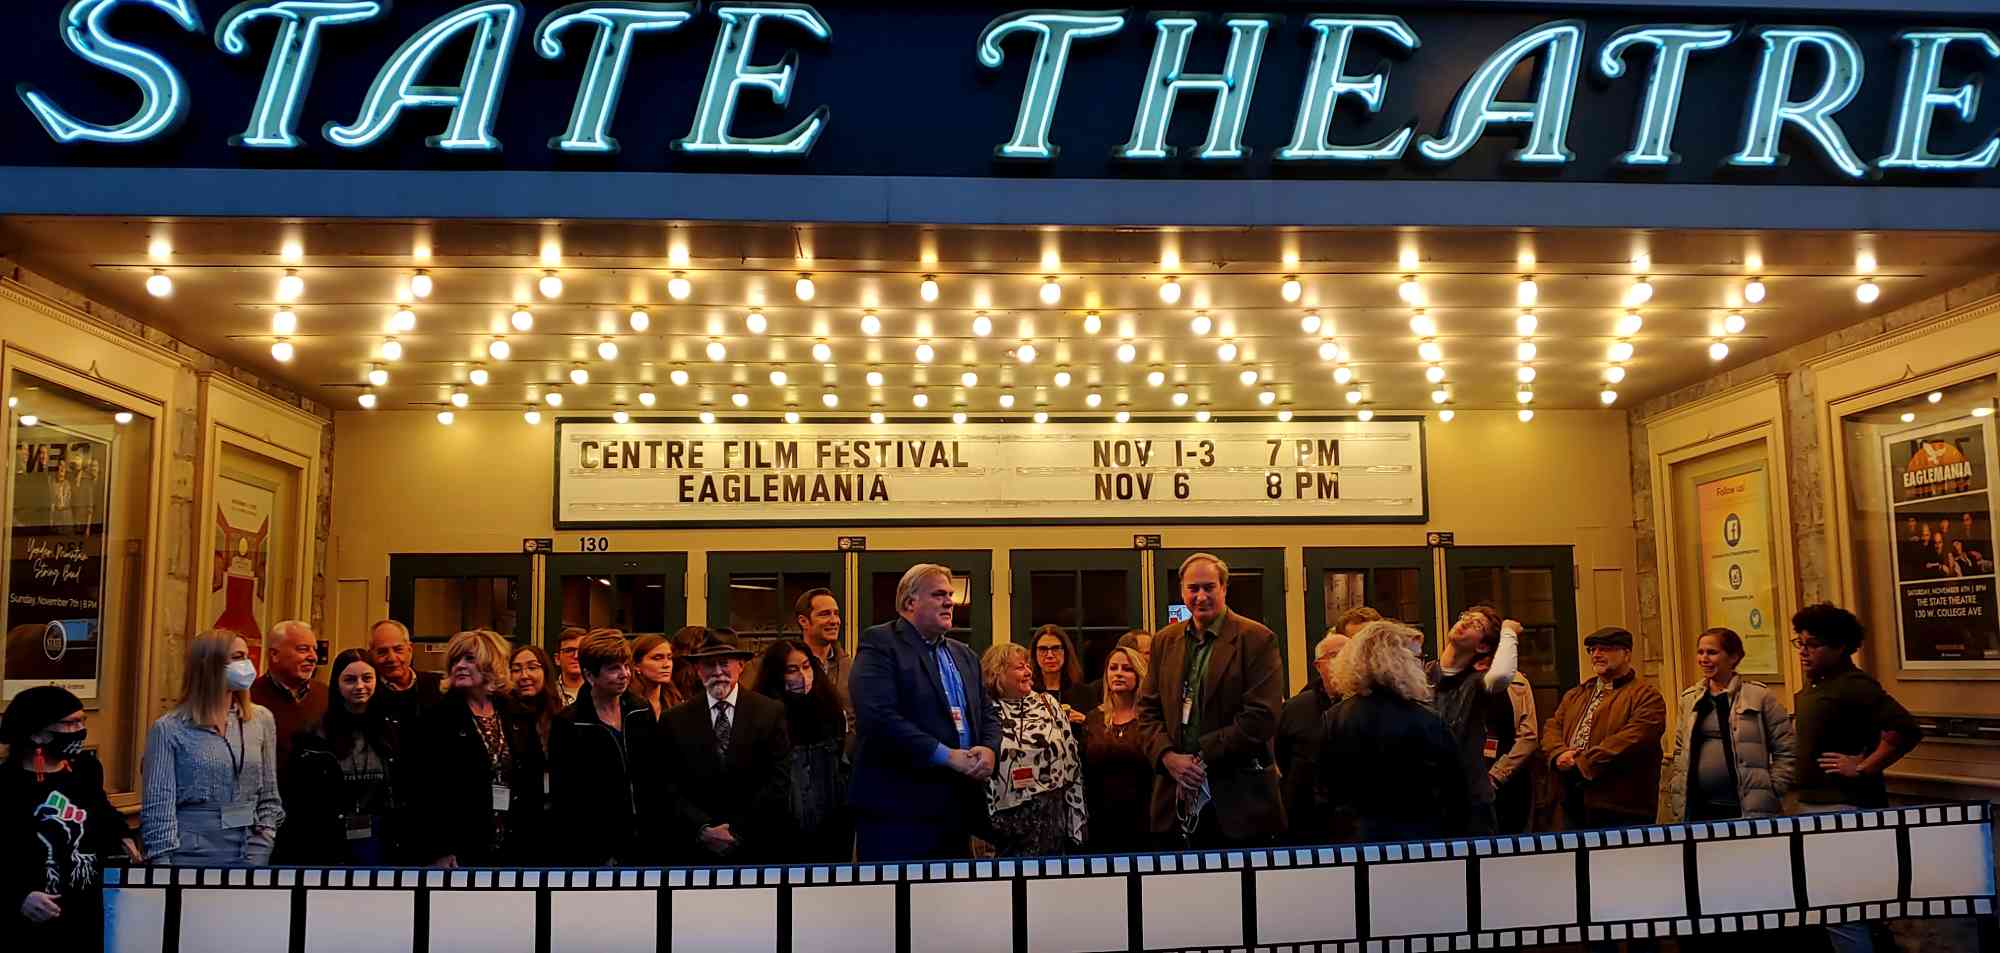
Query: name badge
(545, 784)
(958, 719)
(360, 827)
(239, 816)
(1492, 749)
(1187, 710)
(502, 797)
(1023, 776)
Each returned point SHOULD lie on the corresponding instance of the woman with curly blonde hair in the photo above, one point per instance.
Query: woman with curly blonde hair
(476, 763)
(1388, 760)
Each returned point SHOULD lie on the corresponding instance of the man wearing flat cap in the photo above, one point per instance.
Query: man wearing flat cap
(724, 764)
(1604, 740)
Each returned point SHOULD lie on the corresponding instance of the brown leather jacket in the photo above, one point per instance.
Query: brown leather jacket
(1620, 767)
(1239, 718)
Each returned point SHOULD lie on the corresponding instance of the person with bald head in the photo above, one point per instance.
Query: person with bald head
(291, 655)
(402, 693)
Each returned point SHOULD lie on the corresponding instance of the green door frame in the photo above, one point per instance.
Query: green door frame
(673, 566)
(722, 565)
(406, 568)
(1368, 559)
(1021, 562)
(1270, 564)
(1559, 560)
(975, 563)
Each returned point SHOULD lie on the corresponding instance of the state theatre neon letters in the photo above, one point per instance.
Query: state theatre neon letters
(1802, 80)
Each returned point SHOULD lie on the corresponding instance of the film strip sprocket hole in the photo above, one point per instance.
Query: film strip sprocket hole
(1489, 893)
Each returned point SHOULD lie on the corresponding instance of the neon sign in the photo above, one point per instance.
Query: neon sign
(1345, 104)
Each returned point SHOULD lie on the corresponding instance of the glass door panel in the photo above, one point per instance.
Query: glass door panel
(438, 596)
(638, 594)
(1395, 581)
(971, 584)
(1256, 588)
(753, 593)
(1094, 594)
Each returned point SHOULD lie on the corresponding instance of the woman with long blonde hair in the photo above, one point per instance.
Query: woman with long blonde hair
(1388, 761)
(211, 764)
(477, 762)
(1117, 775)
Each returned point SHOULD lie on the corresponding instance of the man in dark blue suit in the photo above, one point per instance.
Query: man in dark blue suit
(927, 731)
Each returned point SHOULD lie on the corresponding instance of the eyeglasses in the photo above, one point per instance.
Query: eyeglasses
(525, 667)
(1049, 649)
(1807, 645)
(568, 651)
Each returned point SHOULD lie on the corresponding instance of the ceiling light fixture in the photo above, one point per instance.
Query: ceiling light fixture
(1526, 324)
(969, 379)
(1093, 399)
(1366, 415)
(1440, 395)
(920, 399)
(1908, 418)
(830, 398)
(446, 417)
(366, 400)
(551, 285)
(822, 352)
(282, 351)
(707, 417)
(647, 398)
(925, 353)
(392, 349)
(522, 320)
(1935, 396)
(1525, 351)
(1343, 374)
(579, 375)
(1640, 293)
(779, 378)
(1524, 415)
(619, 416)
(1123, 416)
(378, 376)
(928, 289)
(1026, 353)
(1525, 292)
(1291, 290)
(1170, 291)
(478, 376)
(421, 285)
(1041, 416)
(791, 414)
(607, 350)
(1411, 292)
(874, 378)
(1201, 324)
(755, 321)
(804, 289)
(716, 352)
(981, 324)
(159, 285)
(1353, 395)
(1422, 326)
(1525, 374)
(1867, 292)
(285, 322)
(1620, 352)
(679, 376)
(1614, 374)
(877, 418)
(870, 324)
(1092, 323)
(1051, 291)
(1180, 398)
(1127, 352)
(1434, 373)
(1607, 397)
(291, 286)
(740, 397)
(1753, 291)
(1525, 395)
(1445, 415)
(1156, 377)
(1267, 397)
(1310, 322)
(1285, 415)
(1733, 323)
(1718, 350)
(1430, 351)
(679, 287)
(459, 398)
(1007, 399)
(639, 320)
(1226, 352)
(1201, 416)
(958, 417)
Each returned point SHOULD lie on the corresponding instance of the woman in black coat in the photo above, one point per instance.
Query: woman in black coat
(475, 766)
(605, 750)
(341, 804)
(1388, 761)
(816, 718)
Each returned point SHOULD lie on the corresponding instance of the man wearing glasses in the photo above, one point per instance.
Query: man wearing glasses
(1604, 740)
(1849, 731)
(571, 682)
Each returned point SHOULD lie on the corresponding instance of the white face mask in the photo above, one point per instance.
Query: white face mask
(240, 674)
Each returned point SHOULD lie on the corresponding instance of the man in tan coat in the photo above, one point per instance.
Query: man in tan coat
(1604, 740)
(1209, 711)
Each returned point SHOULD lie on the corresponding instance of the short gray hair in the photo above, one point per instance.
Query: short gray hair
(907, 589)
(1221, 568)
(1332, 638)
(284, 630)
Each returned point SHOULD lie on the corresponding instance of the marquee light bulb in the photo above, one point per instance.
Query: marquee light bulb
(1440, 395)
(779, 378)
(1411, 292)
(30, 420)
(1285, 415)
(1525, 374)
(378, 376)
(367, 400)
(1423, 326)
(1092, 323)
(1267, 397)
(1621, 351)
(1248, 376)
(678, 376)
(1328, 350)
(1156, 377)
(755, 321)
(1201, 325)
(1935, 396)
(639, 319)
(1434, 373)
(1607, 397)
(1343, 374)
(822, 352)
(1526, 324)
(282, 351)
(1445, 415)
(958, 417)
(1525, 395)
(876, 417)
(1867, 292)
(446, 417)
(1525, 351)
(969, 379)
(1291, 290)
(1062, 378)
(1526, 292)
(159, 285)
(1366, 415)
(647, 398)
(1126, 353)
(1041, 416)
(1734, 323)
(1202, 416)
(1051, 291)
(478, 377)
(532, 416)
(679, 287)
(1614, 374)
(920, 399)
(291, 286)
(1353, 395)
(1123, 416)
(159, 249)
(1226, 352)
(1170, 291)
(707, 417)
(1630, 324)
(1982, 411)
(459, 398)
(1524, 415)
(1310, 322)
(1007, 400)
(607, 350)
(982, 325)
(392, 349)
(1753, 291)
(804, 289)
(926, 353)
(1908, 418)
(1180, 398)
(875, 378)
(740, 397)
(285, 323)
(551, 285)
(791, 416)
(1718, 350)
(928, 290)
(1093, 399)
(1026, 353)
(1430, 351)
(870, 324)
(579, 375)
(830, 399)
(522, 320)
(421, 285)
(716, 352)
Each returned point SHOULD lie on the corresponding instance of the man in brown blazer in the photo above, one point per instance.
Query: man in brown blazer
(1603, 742)
(1209, 710)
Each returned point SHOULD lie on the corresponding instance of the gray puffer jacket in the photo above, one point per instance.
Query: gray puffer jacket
(1760, 736)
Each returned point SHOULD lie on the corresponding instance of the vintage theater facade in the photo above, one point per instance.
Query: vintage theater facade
(523, 315)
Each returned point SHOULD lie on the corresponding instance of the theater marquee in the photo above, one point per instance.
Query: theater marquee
(668, 473)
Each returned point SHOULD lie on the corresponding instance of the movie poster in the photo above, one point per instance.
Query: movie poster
(240, 580)
(1738, 590)
(1941, 519)
(55, 559)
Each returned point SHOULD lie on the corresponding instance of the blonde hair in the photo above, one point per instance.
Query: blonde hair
(1133, 659)
(997, 661)
(205, 691)
(907, 588)
(487, 650)
(1379, 657)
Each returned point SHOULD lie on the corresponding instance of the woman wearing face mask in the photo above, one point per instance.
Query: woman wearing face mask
(211, 772)
(341, 792)
(475, 765)
(653, 673)
(1732, 753)
(815, 716)
(1117, 776)
(57, 829)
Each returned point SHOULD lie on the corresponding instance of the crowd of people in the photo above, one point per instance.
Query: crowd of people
(695, 749)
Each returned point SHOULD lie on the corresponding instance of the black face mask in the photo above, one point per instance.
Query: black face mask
(63, 745)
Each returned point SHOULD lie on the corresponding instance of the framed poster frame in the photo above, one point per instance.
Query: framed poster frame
(1922, 594)
(1770, 614)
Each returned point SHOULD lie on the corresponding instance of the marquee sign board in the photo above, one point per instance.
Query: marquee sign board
(671, 473)
(893, 87)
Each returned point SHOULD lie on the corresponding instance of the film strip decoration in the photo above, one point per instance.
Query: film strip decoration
(1490, 893)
